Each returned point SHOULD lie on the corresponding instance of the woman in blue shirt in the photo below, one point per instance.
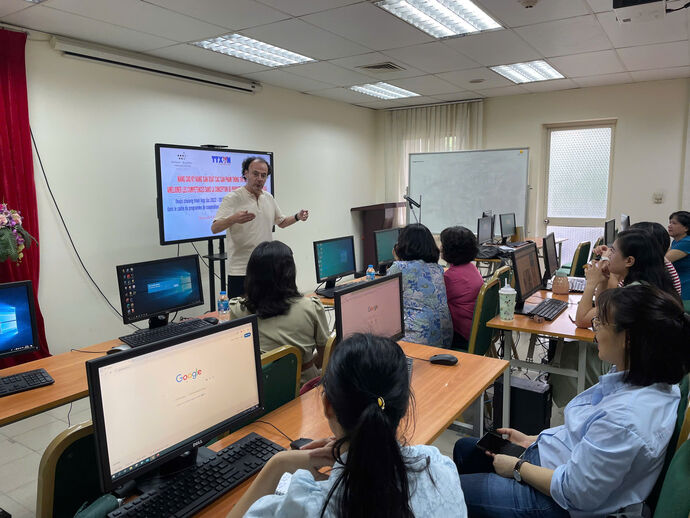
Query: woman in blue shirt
(366, 393)
(427, 317)
(609, 452)
(678, 226)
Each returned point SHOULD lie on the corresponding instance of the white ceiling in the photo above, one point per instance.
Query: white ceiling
(580, 38)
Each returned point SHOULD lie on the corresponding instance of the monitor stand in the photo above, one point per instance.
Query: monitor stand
(504, 240)
(524, 309)
(330, 286)
(153, 480)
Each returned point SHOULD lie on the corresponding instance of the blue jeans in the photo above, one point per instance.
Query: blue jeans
(493, 496)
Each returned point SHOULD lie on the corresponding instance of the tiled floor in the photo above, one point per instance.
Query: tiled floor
(22, 444)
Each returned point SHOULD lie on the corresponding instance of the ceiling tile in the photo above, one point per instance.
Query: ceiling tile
(306, 39)
(141, 16)
(425, 85)
(672, 27)
(549, 86)
(52, 21)
(500, 47)
(329, 73)
(504, 90)
(432, 57)
(462, 78)
(459, 96)
(662, 55)
(373, 58)
(12, 6)
(599, 6)
(199, 57)
(370, 26)
(302, 7)
(234, 15)
(563, 37)
(285, 79)
(342, 94)
(606, 79)
(512, 14)
(588, 64)
(662, 73)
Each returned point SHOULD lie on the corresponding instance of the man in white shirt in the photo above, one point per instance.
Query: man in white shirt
(248, 215)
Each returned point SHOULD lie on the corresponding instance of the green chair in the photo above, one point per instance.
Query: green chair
(327, 351)
(576, 268)
(482, 338)
(504, 273)
(282, 369)
(597, 243)
(674, 500)
(68, 473)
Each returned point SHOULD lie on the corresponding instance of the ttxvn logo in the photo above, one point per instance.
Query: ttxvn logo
(189, 376)
(220, 159)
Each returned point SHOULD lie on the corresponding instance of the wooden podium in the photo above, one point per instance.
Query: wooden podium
(378, 217)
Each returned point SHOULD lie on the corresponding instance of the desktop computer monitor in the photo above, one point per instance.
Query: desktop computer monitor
(334, 258)
(550, 257)
(384, 241)
(151, 404)
(371, 307)
(18, 331)
(528, 279)
(159, 287)
(609, 232)
(484, 230)
(625, 222)
(507, 225)
(490, 214)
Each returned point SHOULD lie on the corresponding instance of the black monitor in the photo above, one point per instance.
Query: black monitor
(625, 222)
(484, 230)
(528, 279)
(18, 330)
(507, 225)
(374, 307)
(490, 214)
(550, 256)
(334, 258)
(384, 241)
(153, 289)
(154, 403)
(609, 232)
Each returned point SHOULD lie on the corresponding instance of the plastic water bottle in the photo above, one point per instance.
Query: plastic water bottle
(371, 273)
(223, 307)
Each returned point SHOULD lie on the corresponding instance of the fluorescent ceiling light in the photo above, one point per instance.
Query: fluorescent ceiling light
(528, 72)
(441, 18)
(383, 91)
(252, 50)
(34, 1)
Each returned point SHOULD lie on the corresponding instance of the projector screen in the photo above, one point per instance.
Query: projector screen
(192, 182)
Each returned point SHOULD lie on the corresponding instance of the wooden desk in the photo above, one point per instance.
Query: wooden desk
(441, 394)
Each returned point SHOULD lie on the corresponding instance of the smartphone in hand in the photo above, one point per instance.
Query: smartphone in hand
(494, 443)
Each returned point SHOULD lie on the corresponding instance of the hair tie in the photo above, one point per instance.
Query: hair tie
(381, 402)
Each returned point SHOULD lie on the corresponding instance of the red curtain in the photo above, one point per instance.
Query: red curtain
(17, 187)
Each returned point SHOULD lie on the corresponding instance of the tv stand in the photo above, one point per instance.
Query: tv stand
(212, 258)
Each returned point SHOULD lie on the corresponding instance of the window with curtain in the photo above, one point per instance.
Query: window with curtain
(447, 127)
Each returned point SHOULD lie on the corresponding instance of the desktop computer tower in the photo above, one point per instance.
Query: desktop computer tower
(530, 405)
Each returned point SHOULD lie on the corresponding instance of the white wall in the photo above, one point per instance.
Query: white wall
(649, 147)
(95, 126)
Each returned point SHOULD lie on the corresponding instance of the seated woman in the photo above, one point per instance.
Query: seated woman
(366, 393)
(678, 226)
(463, 280)
(427, 318)
(285, 316)
(609, 452)
(663, 239)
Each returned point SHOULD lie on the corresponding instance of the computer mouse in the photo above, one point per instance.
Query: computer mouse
(118, 348)
(211, 320)
(443, 359)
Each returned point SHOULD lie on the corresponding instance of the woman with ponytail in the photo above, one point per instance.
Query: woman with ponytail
(366, 394)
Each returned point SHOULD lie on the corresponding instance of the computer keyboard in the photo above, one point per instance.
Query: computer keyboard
(24, 381)
(171, 330)
(576, 284)
(515, 244)
(549, 309)
(197, 487)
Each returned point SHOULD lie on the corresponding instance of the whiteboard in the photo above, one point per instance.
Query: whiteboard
(457, 186)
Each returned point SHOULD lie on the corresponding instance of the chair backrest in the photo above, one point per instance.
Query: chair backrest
(597, 243)
(282, 369)
(481, 337)
(502, 274)
(683, 418)
(674, 500)
(579, 259)
(684, 430)
(327, 351)
(68, 473)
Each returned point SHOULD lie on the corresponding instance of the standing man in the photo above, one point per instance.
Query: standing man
(248, 214)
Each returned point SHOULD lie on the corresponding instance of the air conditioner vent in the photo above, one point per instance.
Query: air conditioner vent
(386, 66)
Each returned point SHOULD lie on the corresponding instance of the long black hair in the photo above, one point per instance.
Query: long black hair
(367, 385)
(649, 260)
(270, 283)
(415, 242)
(657, 230)
(657, 332)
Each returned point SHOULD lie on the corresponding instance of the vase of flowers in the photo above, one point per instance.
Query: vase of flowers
(13, 237)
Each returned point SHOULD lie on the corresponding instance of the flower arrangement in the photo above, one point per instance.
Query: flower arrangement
(13, 237)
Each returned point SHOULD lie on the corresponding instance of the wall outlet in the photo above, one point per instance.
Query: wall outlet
(658, 197)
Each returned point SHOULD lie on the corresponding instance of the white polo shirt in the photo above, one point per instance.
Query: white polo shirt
(242, 238)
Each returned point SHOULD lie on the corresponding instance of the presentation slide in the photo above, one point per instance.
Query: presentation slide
(15, 320)
(192, 182)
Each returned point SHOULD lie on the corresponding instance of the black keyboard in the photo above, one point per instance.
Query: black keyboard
(149, 336)
(24, 381)
(515, 244)
(197, 487)
(549, 309)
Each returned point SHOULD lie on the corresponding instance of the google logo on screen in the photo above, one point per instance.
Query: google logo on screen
(189, 376)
